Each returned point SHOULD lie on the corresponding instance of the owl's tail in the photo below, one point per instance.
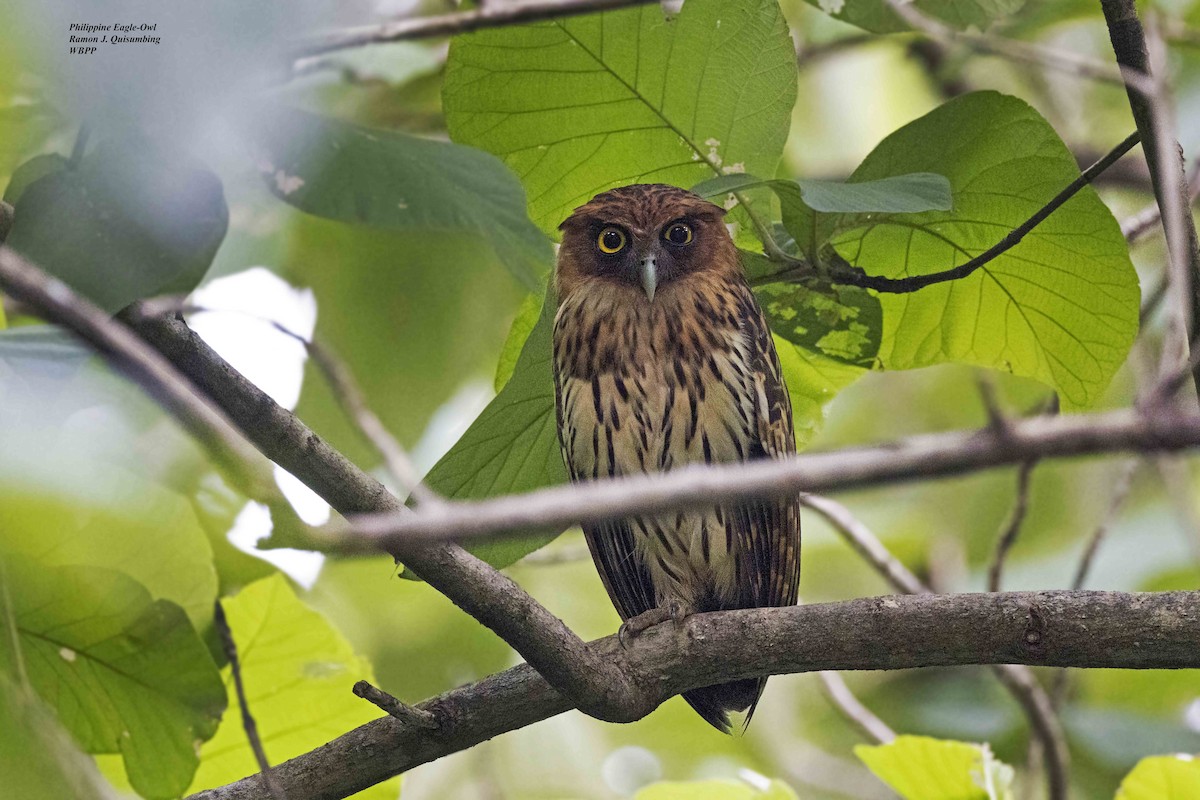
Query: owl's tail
(714, 702)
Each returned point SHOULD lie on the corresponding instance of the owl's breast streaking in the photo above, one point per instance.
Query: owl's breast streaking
(646, 387)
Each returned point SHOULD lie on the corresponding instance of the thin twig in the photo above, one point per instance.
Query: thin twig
(1152, 115)
(231, 653)
(845, 273)
(1019, 680)
(1014, 50)
(864, 542)
(701, 485)
(55, 301)
(1137, 227)
(491, 15)
(852, 708)
(409, 715)
(1012, 528)
(1120, 491)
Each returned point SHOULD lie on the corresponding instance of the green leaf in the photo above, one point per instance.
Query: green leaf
(897, 194)
(527, 316)
(1162, 778)
(124, 672)
(32, 170)
(714, 790)
(843, 323)
(131, 221)
(813, 381)
(38, 761)
(70, 495)
(298, 672)
(922, 768)
(391, 180)
(1061, 306)
(513, 445)
(876, 16)
(579, 105)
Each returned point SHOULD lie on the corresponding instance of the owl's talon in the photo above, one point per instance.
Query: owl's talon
(636, 625)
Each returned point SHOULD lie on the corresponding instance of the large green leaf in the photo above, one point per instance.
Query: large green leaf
(921, 768)
(580, 105)
(1162, 778)
(131, 221)
(1061, 306)
(802, 203)
(391, 180)
(876, 16)
(124, 672)
(513, 445)
(527, 316)
(298, 672)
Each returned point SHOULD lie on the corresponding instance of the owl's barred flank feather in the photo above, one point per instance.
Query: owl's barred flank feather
(663, 358)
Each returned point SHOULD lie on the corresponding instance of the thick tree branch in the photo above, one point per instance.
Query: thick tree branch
(914, 459)
(53, 300)
(488, 15)
(1080, 629)
(493, 599)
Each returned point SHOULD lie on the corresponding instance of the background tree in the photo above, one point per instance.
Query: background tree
(360, 220)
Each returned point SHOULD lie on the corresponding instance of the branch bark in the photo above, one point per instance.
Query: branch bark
(490, 15)
(1080, 629)
(1162, 156)
(473, 585)
(904, 461)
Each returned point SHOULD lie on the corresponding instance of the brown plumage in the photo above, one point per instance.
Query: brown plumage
(663, 358)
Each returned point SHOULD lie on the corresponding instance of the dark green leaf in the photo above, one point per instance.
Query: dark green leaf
(131, 221)
(32, 170)
(391, 180)
(843, 323)
(513, 445)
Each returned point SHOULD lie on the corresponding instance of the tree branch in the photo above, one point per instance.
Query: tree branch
(489, 15)
(1162, 156)
(697, 486)
(53, 300)
(1081, 629)
(542, 639)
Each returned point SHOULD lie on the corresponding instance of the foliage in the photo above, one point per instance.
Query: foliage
(415, 192)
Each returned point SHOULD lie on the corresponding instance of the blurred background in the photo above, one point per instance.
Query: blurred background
(420, 319)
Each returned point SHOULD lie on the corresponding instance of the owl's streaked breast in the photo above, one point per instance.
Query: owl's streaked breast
(649, 387)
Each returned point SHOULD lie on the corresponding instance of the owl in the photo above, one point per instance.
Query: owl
(662, 358)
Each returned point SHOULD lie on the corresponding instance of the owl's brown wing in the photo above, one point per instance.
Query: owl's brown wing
(768, 530)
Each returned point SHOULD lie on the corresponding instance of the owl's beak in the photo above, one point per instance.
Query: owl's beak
(649, 276)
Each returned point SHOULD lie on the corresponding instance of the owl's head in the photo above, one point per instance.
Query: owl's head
(643, 236)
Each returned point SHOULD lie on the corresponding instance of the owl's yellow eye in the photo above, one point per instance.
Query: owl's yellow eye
(611, 241)
(678, 234)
